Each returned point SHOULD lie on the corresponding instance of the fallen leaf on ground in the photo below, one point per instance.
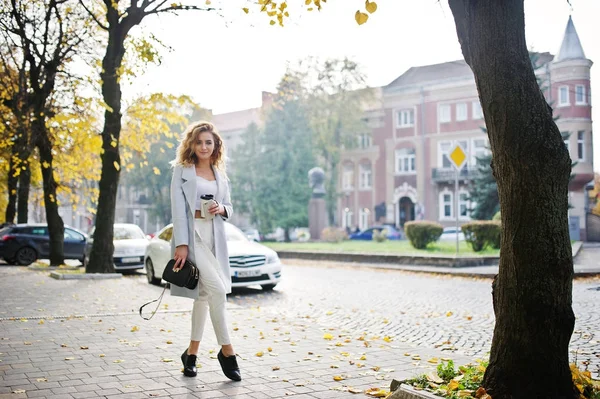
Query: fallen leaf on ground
(135, 328)
(167, 360)
(84, 347)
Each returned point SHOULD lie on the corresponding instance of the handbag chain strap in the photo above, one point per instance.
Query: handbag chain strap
(159, 299)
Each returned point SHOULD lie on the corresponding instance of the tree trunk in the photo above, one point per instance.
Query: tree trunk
(101, 255)
(286, 235)
(11, 207)
(23, 193)
(533, 290)
(56, 228)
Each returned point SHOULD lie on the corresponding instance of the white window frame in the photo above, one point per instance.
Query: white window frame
(348, 177)
(444, 113)
(465, 202)
(364, 140)
(365, 176)
(581, 101)
(567, 142)
(347, 218)
(581, 145)
(477, 110)
(363, 219)
(565, 90)
(401, 159)
(462, 112)
(442, 152)
(443, 204)
(483, 151)
(405, 117)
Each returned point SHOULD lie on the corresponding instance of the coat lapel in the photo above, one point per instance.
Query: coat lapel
(188, 175)
(219, 184)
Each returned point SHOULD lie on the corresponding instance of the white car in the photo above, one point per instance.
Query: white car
(130, 244)
(449, 234)
(251, 263)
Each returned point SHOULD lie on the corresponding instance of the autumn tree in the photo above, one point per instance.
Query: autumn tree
(117, 18)
(43, 38)
(533, 290)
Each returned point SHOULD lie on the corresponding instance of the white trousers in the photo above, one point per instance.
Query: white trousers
(213, 296)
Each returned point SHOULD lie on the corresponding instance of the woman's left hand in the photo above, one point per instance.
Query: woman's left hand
(216, 208)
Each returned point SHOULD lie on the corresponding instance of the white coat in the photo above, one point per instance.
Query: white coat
(183, 204)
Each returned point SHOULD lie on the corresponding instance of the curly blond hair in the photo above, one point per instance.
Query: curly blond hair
(185, 151)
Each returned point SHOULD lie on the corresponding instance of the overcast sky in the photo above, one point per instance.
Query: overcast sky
(225, 61)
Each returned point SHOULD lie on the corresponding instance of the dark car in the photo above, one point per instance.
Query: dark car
(367, 235)
(23, 244)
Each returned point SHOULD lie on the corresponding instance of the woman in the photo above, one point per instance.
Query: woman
(199, 169)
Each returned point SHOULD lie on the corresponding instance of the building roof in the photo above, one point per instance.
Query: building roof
(431, 73)
(236, 120)
(571, 48)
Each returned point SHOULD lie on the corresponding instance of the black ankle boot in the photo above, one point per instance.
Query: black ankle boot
(229, 366)
(189, 364)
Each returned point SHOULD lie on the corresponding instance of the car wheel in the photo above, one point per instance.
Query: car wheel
(268, 287)
(150, 273)
(25, 256)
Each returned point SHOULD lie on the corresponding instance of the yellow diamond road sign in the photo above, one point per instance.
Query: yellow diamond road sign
(458, 157)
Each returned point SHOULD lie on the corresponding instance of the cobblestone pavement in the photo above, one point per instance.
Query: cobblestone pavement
(79, 339)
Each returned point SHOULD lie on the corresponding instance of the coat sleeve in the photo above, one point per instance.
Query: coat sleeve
(178, 209)
(227, 203)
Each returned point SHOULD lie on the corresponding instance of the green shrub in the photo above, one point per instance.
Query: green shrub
(422, 233)
(482, 233)
(333, 234)
(380, 235)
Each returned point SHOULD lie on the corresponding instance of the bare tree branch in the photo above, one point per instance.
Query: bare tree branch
(98, 22)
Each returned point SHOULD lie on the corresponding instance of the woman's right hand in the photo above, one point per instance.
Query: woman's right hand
(181, 253)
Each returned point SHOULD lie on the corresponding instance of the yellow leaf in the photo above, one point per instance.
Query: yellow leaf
(41, 321)
(102, 355)
(272, 22)
(453, 385)
(156, 170)
(119, 361)
(84, 347)
(363, 357)
(135, 328)
(45, 165)
(246, 11)
(270, 349)
(259, 354)
(370, 6)
(167, 360)
(169, 342)
(433, 360)
(361, 17)
(69, 358)
(449, 314)
(338, 378)
(207, 2)
(275, 368)
(117, 166)
(328, 336)
(387, 339)
(41, 379)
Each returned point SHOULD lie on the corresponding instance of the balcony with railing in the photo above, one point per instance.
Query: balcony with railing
(441, 175)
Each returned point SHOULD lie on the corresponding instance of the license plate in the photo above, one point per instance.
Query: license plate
(130, 260)
(248, 273)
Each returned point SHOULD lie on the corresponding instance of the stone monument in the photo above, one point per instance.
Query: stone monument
(317, 212)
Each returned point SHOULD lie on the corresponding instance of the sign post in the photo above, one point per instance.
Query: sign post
(457, 158)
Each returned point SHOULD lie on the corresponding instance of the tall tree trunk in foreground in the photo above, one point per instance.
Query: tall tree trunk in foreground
(23, 192)
(533, 290)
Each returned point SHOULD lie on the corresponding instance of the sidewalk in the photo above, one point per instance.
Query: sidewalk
(84, 339)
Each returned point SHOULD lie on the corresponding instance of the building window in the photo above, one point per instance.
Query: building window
(348, 177)
(463, 205)
(364, 140)
(347, 218)
(446, 208)
(445, 114)
(580, 95)
(405, 161)
(443, 153)
(479, 149)
(581, 145)
(365, 176)
(477, 111)
(563, 96)
(406, 118)
(363, 219)
(461, 112)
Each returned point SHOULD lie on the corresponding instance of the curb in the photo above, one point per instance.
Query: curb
(85, 276)
(408, 392)
(435, 261)
(51, 268)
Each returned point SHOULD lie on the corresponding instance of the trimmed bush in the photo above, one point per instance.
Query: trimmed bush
(333, 234)
(380, 235)
(422, 233)
(482, 233)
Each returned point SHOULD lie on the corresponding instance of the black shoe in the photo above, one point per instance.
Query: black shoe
(229, 366)
(189, 364)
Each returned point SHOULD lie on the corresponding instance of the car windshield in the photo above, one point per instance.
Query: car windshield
(128, 233)
(234, 234)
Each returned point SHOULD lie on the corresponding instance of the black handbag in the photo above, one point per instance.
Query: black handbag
(187, 277)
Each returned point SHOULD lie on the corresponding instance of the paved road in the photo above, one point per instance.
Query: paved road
(45, 323)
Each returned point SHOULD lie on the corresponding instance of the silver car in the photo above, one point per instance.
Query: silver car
(251, 263)
(130, 244)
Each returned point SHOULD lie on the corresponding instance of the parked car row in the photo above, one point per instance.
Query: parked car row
(251, 263)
